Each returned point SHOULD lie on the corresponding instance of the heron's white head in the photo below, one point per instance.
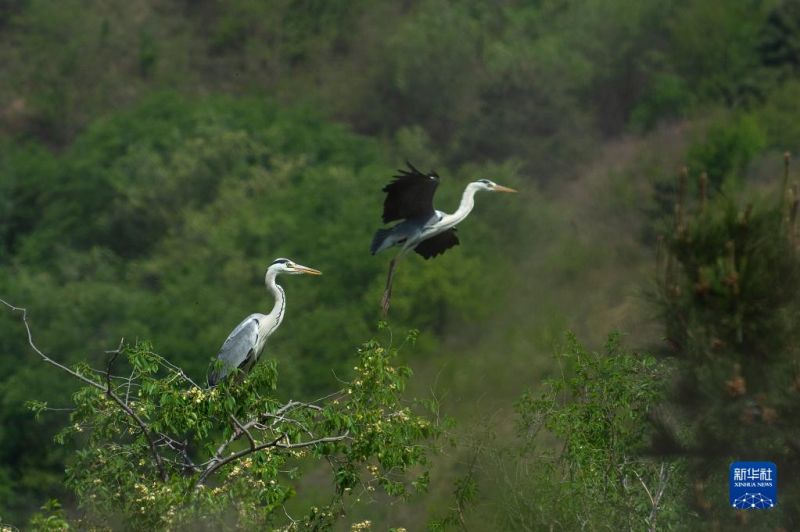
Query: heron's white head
(491, 186)
(291, 267)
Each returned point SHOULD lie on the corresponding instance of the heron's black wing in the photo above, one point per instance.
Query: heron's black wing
(436, 245)
(237, 350)
(410, 195)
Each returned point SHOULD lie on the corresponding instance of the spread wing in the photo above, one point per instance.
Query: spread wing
(238, 349)
(410, 195)
(438, 244)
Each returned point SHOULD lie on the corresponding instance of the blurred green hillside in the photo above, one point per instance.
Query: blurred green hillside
(156, 156)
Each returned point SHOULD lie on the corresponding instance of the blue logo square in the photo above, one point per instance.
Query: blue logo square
(753, 485)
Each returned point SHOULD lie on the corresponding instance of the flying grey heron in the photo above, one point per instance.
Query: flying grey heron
(246, 342)
(424, 229)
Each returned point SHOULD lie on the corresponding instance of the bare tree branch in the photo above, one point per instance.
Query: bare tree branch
(244, 429)
(655, 500)
(47, 359)
(107, 389)
(214, 465)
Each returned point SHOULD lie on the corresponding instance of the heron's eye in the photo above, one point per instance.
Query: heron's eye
(290, 264)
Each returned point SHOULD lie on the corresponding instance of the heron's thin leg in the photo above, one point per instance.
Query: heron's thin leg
(387, 293)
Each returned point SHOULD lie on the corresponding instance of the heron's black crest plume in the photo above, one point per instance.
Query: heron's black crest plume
(279, 261)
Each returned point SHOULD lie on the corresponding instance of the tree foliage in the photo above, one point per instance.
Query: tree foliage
(160, 452)
(600, 478)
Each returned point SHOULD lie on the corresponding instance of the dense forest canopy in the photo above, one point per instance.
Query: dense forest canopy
(156, 156)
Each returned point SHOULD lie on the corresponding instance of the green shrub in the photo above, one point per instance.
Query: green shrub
(597, 409)
(580, 459)
(668, 97)
(726, 148)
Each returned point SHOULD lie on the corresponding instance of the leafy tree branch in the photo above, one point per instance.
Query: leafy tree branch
(162, 452)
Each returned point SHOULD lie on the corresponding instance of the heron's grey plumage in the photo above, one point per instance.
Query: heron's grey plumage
(239, 349)
(245, 343)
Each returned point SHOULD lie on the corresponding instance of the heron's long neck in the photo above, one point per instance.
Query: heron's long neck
(464, 208)
(278, 309)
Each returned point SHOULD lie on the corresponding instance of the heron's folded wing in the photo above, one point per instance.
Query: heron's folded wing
(438, 244)
(410, 195)
(237, 349)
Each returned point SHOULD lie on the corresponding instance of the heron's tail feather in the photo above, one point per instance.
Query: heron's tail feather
(213, 378)
(380, 241)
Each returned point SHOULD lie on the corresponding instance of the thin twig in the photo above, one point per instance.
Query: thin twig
(646, 489)
(284, 419)
(244, 430)
(114, 354)
(128, 388)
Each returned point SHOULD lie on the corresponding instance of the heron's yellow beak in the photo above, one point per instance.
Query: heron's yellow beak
(306, 269)
(501, 188)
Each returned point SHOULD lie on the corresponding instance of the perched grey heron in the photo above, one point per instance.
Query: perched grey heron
(424, 229)
(246, 342)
